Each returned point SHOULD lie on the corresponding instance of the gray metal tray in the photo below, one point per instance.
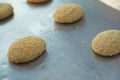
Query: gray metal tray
(68, 55)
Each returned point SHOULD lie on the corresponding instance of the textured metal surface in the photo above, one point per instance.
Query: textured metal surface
(68, 55)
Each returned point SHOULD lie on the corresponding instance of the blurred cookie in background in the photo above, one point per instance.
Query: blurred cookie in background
(68, 13)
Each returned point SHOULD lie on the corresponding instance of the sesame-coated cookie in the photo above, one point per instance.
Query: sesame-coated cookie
(26, 49)
(6, 10)
(68, 13)
(107, 43)
(37, 1)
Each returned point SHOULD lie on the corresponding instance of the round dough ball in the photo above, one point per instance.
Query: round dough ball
(68, 13)
(107, 43)
(6, 10)
(26, 49)
(37, 1)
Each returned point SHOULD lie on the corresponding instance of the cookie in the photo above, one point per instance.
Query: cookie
(68, 13)
(107, 43)
(37, 1)
(26, 49)
(6, 10)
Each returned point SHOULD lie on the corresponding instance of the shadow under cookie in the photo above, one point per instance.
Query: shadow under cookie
(7, 19)
(70, 26)
(31, 64)
(39, 3)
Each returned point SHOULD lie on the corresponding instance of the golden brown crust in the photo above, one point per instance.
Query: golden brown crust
(107, 43)
(37, 1)
(68, 13)
(6, 10)
(26, 49)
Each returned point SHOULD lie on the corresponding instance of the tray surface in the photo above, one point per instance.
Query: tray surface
(68, 55)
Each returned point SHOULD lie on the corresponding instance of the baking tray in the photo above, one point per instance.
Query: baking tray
(68, 55)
